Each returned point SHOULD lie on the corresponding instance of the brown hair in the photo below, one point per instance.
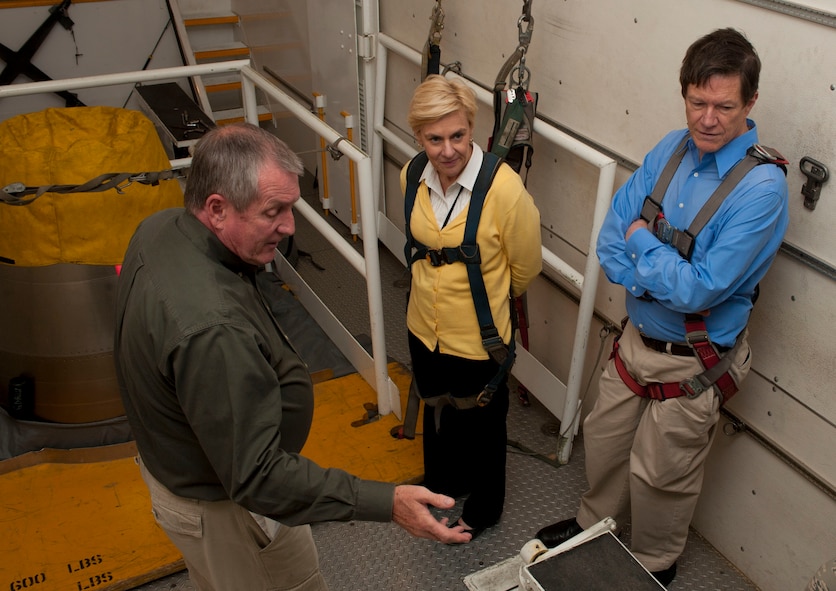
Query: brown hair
(722, 52)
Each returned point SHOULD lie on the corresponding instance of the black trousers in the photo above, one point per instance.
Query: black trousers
(467, 454)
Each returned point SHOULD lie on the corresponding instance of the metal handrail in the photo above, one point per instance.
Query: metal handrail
(373, 368)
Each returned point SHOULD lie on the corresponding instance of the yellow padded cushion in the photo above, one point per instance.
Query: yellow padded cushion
(71, 146)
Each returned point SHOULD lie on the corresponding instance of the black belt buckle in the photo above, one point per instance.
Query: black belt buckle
(663, 230)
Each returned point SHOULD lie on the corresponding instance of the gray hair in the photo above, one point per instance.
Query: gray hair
(228, 161)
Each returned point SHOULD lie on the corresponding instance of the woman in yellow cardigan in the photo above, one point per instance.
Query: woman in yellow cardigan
(464, 450)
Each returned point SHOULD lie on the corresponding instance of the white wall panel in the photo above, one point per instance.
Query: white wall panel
(107, 37)
(333, 49)
(764, 516)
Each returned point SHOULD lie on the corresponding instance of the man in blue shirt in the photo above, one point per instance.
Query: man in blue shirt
(648, 435)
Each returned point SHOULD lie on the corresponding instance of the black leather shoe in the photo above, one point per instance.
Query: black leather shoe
(665, 576)
(557, 533)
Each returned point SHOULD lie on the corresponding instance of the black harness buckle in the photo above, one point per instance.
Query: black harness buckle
(437, 258)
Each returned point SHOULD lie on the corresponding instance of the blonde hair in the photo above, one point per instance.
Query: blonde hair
(437, 97)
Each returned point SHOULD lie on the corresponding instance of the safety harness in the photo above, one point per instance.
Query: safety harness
(715, 362)
(512, 137)
(468, 254)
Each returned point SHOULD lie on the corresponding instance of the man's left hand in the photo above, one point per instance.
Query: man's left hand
(637, 225)
(411, 513)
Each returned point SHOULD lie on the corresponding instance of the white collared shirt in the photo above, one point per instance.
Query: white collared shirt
(443, 202)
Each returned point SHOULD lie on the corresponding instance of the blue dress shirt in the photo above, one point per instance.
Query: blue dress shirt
(731, 254)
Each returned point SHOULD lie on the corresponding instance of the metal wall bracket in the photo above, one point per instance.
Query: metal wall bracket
(366, 47)
(817, 174)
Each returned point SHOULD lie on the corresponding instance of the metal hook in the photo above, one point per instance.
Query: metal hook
(455, 67)
(521, 76)
(733, 427)
(527, 8)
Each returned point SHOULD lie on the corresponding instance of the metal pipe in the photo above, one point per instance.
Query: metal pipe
(249, 100)
(370, 27)
(586, 309)
(369, 265)
(121, 78)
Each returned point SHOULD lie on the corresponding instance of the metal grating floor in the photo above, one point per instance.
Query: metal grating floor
(362, 556)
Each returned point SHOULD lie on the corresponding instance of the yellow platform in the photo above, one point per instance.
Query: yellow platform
(81, 519)
(368, 451)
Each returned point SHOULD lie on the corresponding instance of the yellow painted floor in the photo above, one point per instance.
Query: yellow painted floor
(369, 451)
(81, 519)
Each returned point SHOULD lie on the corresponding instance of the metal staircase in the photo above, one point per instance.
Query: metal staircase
(212, 32)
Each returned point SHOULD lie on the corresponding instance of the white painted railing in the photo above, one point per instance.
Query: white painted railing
(373, 367)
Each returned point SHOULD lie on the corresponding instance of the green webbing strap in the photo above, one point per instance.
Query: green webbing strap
(507, 131)
(513, 132)
(490, 335)
(413, 179)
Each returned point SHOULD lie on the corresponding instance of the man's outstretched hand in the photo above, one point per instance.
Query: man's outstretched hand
(411, 512)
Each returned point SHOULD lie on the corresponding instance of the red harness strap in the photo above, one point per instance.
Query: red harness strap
(653, 390)
(697, 338)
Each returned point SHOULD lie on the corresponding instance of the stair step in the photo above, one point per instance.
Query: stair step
(236, 115)
(230, 50)
(208, 20)
(223, 87)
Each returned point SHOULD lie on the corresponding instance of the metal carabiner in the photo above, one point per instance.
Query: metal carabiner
(525, 34)
(436, 24)
(521, 75)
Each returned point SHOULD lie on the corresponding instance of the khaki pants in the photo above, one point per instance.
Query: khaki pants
(645, 459)
(225, 548)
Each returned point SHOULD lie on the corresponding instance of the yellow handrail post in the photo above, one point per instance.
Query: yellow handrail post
(320, 108)
(349, 126)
